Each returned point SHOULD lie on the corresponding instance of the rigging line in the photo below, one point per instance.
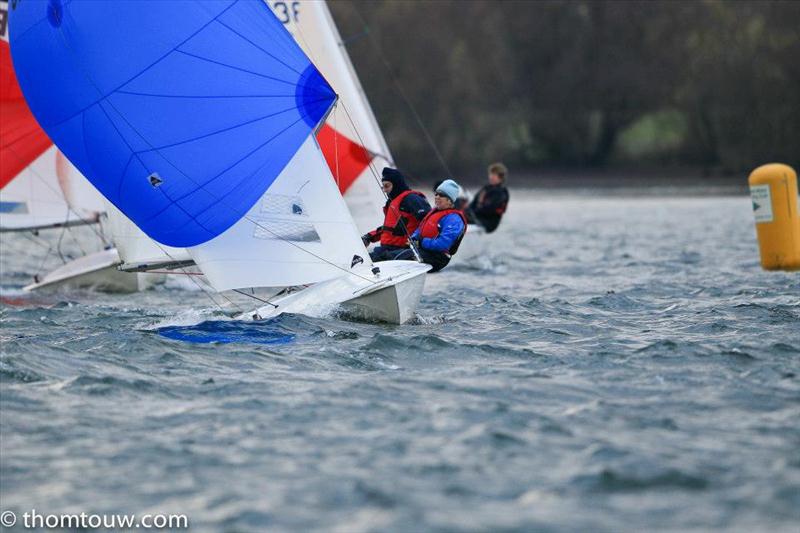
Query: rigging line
(411, 244)
(371, 165)
(49, 248)
(402, 93)
(374, 173)
(60, 194)
(36, 242)
(336, 143)
(253, 296)
(191, 276)
(292, 243)
(58, 248)
(208, 293)
(41, 264)
(76, 241)
(222, 200)
(102, 231)
(200, 285)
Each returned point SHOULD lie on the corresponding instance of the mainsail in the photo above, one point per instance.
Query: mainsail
(351, 140)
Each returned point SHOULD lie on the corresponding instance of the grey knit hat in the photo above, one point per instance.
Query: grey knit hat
(450, 189)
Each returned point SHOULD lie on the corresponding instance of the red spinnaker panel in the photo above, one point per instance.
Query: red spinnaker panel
(353, 158)
(21, 138)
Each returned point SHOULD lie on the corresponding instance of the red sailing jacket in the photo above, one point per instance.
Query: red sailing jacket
(429, 227)
(392, 232)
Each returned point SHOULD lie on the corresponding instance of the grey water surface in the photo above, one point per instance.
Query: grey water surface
(618, 364)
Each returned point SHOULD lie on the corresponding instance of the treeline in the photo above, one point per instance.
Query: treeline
(580, 83)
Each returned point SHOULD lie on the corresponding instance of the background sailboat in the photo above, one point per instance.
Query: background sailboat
(203, 138)
(40, 190)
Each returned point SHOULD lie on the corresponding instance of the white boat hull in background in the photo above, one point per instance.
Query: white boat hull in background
(392, 296)
(474, 245)
(96, 271)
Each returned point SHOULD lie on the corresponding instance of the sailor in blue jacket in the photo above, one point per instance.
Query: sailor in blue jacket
(439, 234)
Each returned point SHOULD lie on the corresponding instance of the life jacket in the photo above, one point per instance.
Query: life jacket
(429, 227)
(392, 232)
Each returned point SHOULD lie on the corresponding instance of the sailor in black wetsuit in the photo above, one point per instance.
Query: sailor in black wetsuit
(403, 212)
(490, 203)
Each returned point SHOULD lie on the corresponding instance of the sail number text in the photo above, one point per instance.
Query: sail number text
(286, 11)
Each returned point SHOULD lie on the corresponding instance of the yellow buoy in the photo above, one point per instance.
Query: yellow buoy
(773, 189)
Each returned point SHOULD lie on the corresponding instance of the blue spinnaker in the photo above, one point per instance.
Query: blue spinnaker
(181, 112)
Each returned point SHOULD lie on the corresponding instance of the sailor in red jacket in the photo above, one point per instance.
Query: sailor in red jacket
(403, 212)
(439, 234)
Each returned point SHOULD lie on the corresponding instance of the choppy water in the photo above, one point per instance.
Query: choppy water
(622, 364)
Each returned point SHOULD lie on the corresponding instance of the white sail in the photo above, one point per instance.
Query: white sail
(312, 26)
(39, 187)
(78, 192)
(299, 232)
(138, 251)
(49, 192)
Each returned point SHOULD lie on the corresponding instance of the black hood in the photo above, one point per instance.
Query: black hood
(397, 179)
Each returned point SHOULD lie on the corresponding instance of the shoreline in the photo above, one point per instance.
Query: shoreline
(618, 182)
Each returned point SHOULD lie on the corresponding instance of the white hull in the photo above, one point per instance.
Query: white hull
(97, 271)
(475, 244)
(391, 297)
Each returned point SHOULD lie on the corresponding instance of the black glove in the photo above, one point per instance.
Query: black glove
(366, 239)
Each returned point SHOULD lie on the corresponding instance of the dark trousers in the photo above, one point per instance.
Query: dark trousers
(385, 253)
(438, 260)
(489, 222)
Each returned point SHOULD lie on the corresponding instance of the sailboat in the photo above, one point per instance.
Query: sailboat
(41, 190)
(197, 120)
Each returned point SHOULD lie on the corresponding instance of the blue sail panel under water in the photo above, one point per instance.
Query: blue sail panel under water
(182, 113)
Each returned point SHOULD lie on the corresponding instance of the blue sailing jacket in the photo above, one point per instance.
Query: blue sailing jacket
(451, 229)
